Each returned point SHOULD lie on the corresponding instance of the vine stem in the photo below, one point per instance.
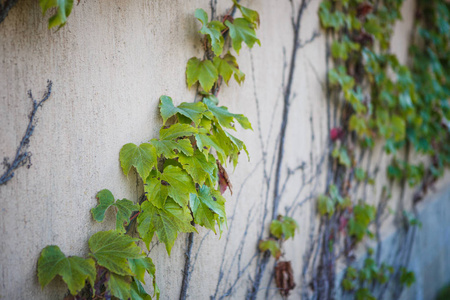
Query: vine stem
(252, 293)
(22, 155)
(190, 237)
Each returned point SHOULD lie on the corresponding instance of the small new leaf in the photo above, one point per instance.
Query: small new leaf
(74, 270)
(63, 10)
(325, 205)
(211, 29)
(124, 209)
(284, 227)
(272, 246)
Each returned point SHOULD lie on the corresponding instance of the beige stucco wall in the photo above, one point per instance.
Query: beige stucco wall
(109, 66)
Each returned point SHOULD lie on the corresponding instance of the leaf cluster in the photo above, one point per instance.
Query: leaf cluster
(207, 72)
(281, 229)
(116, 267)
(180, 172)
(404, 106)
(364, 279)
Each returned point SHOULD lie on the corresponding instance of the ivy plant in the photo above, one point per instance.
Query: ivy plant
(182, 172)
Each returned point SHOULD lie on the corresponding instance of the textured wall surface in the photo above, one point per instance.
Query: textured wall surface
(109, 66)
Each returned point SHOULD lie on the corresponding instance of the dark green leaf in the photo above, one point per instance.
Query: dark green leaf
(112, 251)
(119, 286)
(74, 270)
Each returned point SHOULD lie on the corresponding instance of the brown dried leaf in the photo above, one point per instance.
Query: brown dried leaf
(224, 180)
(284, 277)
(364, 9)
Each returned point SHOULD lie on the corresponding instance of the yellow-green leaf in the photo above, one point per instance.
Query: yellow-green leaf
(143, 158)
(211, 29)
(270, 245)
(202, 71)
(166, 222)
(200, 168)
(63, 10)
(176, 131)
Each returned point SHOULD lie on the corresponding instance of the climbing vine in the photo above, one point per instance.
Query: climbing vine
(182, 172)
(381, 99)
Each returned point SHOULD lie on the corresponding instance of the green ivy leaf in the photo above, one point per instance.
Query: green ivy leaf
(206, 141)
(211, 29)
(156, 191)
(143, 158)
(119, 286)
(335, 195)
(226, 66)
(138, 292)
(360, 174)
(348, 285)
(202, 71)
(193, 111)
(342, 155)
(225, 118)
(105, 199)
(176, 131)
(363, 215)
(112, 251)
(272, 246)
(241, 30)
(180, 184)
(407, 277)
(140, 266)
(250, 15)
(325, 205)
(63, 10)
(166, 222)
(364, 294)
(166, 147)
(284, 227)
(124, 209)
(74, 270)
(205, 205)
(200, 168)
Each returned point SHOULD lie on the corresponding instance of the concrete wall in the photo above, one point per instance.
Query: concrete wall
(109, 66)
